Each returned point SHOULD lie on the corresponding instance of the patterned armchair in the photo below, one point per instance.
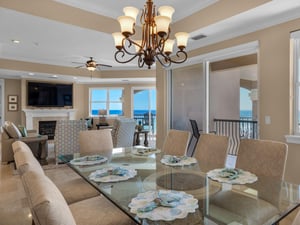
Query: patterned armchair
(66, 139)
(123, 132)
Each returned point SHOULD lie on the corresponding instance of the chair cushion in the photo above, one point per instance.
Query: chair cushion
(12, 130)
(48, 207)
(73, 187)
(98, 210)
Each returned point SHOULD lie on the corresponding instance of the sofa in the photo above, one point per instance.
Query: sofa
(48, 202)
(11, 133)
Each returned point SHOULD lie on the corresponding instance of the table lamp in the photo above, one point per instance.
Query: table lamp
(102, 117)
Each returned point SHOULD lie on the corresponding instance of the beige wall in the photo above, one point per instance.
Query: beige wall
(273, 85)
(12, 87)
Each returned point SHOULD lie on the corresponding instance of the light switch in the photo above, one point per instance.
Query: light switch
(267, 120)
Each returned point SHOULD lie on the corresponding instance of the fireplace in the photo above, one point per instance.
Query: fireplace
(47, 128)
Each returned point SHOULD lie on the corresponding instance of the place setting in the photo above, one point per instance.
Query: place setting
(144, 151)
(164, 205)
(232, 176)
(112, 174)
(172, 160)
(88, 160)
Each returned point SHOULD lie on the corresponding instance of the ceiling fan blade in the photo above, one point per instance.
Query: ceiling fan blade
(77, 63)
(79, 66)
(99, 64)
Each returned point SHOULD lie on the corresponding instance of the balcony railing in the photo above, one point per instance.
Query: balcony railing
(236, 130)
(148, 124)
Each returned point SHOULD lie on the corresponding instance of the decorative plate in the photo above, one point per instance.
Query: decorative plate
(112, 174)
(144, 151)
(171, 160)
(164, 205)
(232, 176)
(88, 160)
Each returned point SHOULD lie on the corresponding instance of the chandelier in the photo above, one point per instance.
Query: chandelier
(155, 43)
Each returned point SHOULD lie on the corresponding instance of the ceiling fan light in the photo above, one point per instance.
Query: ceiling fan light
(181, 38)
(162, 25)
(91, 68)
(126, 23)
(166, 11)
(131, 11)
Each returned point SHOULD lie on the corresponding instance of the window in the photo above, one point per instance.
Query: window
(296, 71)
(109, 99)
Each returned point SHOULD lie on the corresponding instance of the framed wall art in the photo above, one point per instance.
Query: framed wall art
(12, 99)
(12, 107)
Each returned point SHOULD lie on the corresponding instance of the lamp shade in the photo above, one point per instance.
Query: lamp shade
(168, 47)
(181, 38)
(166, 11)
(102, 112)
(118, 37)
(131, 11)
(162, 25)
(126, 23)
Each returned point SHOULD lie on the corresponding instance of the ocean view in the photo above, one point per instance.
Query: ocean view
(119, 112)
(246, 113)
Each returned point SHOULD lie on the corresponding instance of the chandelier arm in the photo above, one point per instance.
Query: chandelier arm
(125, 50)
(121, 54)
(167, 60)
(178, 53)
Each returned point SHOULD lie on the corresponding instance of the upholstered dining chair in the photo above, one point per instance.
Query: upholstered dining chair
(123, 132)
(211, 151)
(176, 142)
(95, 141)
(266, 159)
(262, 157)
(66, 139)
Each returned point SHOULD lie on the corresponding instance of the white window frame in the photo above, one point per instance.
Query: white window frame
(107, 89)
(295, 60)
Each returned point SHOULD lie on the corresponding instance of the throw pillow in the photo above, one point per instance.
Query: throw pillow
(12, 130)
(23, 130)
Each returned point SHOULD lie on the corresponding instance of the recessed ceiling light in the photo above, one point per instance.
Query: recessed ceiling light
(54, 76)
(31, 74)
(75, 78)
(15, 41)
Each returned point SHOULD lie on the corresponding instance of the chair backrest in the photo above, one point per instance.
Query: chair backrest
(66, 139)
(176, 142)
(211, 151)
(262, 157)
(123, 132)
(95, 141)
(195, 128)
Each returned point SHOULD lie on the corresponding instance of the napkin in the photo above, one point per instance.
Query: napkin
(230, 173)
(170, 200)
(118, 171)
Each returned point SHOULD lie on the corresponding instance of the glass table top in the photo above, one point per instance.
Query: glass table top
(125, 177)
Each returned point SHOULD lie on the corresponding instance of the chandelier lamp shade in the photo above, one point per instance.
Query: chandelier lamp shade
(155, 43)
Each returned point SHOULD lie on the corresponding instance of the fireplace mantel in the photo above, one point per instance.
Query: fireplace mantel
(33, 113)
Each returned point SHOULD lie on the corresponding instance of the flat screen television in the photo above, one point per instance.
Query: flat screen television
(49, 94)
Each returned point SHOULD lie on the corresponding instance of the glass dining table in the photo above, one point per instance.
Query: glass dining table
(152, 188)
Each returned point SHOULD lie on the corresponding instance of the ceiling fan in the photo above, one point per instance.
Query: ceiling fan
(91, 64)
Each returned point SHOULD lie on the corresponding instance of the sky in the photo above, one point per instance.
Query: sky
(245, 101)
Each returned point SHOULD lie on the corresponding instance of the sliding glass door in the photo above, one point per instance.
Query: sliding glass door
(144, 108)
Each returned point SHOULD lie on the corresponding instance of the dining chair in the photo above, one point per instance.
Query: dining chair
(262, 157)
(211, 151)
(176, 142)
(266, 159)
(95, 141)
(195, 134)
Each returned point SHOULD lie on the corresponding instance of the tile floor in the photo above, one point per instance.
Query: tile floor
(13, 203)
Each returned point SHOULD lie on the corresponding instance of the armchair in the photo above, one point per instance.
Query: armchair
(37, 143)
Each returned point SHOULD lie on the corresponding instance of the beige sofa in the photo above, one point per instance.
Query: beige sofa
(37, 143)
(48, 203)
